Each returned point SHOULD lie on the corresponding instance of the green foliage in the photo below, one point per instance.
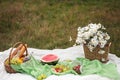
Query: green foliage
(48, 24)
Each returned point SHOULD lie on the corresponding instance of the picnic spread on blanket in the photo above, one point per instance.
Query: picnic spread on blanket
(27, 64)
(39, 71)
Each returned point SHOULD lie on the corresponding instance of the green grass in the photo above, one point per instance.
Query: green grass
(48, 24)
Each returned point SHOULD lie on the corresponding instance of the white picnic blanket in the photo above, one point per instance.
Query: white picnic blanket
(68, 53)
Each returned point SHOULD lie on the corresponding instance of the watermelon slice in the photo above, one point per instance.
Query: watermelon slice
(50, 59)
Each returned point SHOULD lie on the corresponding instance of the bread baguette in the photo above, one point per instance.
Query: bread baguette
(16, 50)
(21, 53)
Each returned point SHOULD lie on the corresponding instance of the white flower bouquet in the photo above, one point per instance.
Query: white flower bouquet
(95, 40)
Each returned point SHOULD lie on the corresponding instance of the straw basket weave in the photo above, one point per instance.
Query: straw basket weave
(95, 55)
(7, 63)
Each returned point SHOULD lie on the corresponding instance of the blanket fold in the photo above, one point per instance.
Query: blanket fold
(96, 67)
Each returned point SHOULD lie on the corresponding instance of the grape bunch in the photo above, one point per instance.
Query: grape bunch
(16, 61)
(41, 77)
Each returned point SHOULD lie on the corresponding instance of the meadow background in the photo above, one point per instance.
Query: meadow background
(48, 24)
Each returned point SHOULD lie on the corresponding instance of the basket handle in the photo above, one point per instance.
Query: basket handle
(11, 55)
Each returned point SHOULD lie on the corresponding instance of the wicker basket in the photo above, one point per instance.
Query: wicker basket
(7, 63)
(95, 55)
